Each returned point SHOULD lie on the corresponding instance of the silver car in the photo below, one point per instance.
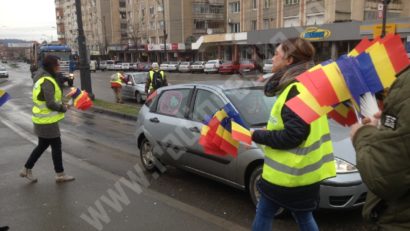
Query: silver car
(198, 66)
(3, 72)
(135, 87)
(267, 66)
(184, 67)
(168, 130)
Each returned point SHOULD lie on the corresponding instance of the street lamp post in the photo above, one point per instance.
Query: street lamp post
(385, 5)
(82, 47)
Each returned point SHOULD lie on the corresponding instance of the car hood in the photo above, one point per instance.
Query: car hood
(342, 144)
(3, 72)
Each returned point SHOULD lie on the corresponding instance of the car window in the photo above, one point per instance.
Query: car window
(206, 104)
(173, 102)
(211, 62)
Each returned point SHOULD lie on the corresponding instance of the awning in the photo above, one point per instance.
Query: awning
(232, 38)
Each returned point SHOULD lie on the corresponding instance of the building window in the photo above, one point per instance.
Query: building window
(254, 4)
(199, 24)
(267, 4)
(151, 10)
(266, 24)
(123, 25)
(143, 12)
(161, 24)
(235, 7)
(234, 27)
(152, 25)
(161, 39)
(291, 2)
(153, 40)
(253, 25)
(122, 4)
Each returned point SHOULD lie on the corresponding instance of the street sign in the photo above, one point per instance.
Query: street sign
(380, 8)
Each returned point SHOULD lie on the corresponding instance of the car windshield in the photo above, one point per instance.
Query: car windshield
(252, 104)
(2, 69)
(140, 78)
(198, 63)
(173, 63)
(211, 62)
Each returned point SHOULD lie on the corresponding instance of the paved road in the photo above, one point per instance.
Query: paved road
(99, 150)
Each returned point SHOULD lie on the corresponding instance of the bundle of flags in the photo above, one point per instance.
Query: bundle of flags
(337, 87)
(81, 100)
(4, 97)
(221, 133)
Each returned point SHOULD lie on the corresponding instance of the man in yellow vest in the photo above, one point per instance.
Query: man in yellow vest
(156, 79)
(298, 156)
(116, 85)
(47, 111)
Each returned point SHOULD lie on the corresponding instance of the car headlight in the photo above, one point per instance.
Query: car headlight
(343, 166)
(71, 75)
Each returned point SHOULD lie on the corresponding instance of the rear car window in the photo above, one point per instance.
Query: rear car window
(173, 102)
(206, 104)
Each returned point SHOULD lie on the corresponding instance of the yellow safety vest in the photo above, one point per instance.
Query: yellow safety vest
(41, 113)
(151, 77)
(311, 162)
(117, 79)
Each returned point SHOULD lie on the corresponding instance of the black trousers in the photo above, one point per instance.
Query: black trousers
(56, 153)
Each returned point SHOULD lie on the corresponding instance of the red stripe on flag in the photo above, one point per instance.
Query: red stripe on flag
(305, 112)
(396, 51)
(241, 137)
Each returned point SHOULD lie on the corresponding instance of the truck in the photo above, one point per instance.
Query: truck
(63, 52)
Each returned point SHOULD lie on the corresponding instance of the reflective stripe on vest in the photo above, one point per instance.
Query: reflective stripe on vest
(41, 113)
(117, 79)
(151, 77)
(311, 162)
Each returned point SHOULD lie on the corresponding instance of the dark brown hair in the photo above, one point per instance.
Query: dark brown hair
(299, 49)
(49, 63)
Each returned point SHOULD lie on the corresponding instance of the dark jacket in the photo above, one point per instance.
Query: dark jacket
(48, 131)
(305, 198)
(383, 159)
(148, 82)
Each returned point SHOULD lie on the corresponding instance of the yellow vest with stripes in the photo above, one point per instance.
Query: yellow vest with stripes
(41, 113)
(311, 162)
(151, 77)
(117, 79)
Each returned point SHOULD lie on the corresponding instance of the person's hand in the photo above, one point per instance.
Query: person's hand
(374, 121)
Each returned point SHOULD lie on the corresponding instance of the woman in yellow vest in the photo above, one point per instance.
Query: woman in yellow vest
(298, 156)
(48, 110)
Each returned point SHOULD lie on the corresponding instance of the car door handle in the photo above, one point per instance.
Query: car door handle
(154, 120)
(195, 129)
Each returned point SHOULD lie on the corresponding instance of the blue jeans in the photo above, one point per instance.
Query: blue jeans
(265, 213)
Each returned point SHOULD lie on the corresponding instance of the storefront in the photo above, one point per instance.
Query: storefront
(175, 51)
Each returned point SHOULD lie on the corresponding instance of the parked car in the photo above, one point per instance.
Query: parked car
(212, 66)
(135, 87)
(229, 67)
(184, 67)
(144, 66)
(4, 61)
(118, 66)
(3, 72)
(173, 66)
(103, 65)
(164, 66)
(267, 66)
(125, 66)
(110, 65)
(93, 65)
(180, 109)
(198, 66)
(247, 66)
(133, 66)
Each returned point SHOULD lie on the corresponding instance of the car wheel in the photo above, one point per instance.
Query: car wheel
(254, 192)
(138, 97)
(147, 156)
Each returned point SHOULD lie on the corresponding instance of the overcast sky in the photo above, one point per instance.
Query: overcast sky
(28, 19)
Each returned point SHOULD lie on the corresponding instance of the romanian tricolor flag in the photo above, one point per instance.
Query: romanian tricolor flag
(343, 114)
(241, 133)
(81, 99)
(218, 134)
(4, 97)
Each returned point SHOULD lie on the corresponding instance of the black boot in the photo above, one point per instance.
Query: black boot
(4, 228)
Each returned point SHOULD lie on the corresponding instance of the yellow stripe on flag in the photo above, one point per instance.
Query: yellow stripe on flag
(238, 128)
(382, 64)
(337, 81)
(311, 102)
(204, 130)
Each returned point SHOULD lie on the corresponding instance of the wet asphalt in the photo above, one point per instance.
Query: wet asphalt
(99, 150)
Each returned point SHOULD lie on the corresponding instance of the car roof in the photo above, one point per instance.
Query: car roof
(219, 84)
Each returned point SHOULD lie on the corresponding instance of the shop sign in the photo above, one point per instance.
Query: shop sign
(408, 45)
(315, 34)
(377, 29)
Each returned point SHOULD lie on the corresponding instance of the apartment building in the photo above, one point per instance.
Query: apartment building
(183, 20)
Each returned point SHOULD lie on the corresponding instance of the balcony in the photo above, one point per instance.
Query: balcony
(210, 2)
(211, 16)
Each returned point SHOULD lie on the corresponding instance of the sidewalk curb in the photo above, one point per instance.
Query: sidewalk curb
(101, 110)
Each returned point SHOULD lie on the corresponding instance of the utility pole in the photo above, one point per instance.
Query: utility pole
(385, 5)
(165, 32)
(84, 65)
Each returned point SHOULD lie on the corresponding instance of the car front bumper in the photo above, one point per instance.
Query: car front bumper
(343, 192)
